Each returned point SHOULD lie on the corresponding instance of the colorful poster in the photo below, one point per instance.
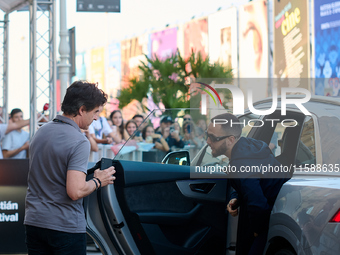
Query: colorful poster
(164, 43)
(132, 53)
(326, 47)
(222, 27)
(253, 50)
(97, 73)
(80, 67)
(114, 69)
(253, 40)
(291, 43)
(196, 37)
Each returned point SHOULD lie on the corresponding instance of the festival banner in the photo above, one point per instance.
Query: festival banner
(80, 67)
(132, 53)
(222, 28)
(196, 37)
(291, 43)
(97, 73)
(164, 43)
(113, 69)
(326, 47)
(253, 49)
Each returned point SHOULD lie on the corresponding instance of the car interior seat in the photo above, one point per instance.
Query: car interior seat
(289, 144)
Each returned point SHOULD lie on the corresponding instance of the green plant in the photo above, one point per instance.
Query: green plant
(166, 80)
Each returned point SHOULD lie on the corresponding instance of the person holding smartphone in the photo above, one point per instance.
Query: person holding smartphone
(169, 133)
(189, 135)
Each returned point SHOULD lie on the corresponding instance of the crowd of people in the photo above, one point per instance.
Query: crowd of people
(170, 135)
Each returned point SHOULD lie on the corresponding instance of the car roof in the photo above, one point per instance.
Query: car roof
(313, 99)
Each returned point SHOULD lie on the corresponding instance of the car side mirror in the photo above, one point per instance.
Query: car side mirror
(177, 158)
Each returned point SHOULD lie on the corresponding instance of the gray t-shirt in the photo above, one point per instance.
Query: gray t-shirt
(55, 148)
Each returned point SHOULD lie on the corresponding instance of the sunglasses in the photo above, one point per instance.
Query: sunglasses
(216, 138)
(185, 119)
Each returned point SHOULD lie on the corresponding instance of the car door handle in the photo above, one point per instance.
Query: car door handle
(202, 187)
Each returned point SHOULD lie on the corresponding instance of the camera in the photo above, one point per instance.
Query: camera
(172, 129)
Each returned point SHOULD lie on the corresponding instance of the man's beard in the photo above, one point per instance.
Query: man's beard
(220, 150)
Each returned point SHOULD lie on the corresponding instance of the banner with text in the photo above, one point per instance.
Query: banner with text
(132, 52)
(326, 47)
(291, 42)
(222, 28)
(196, 37)
(253, 47)
(164, 43)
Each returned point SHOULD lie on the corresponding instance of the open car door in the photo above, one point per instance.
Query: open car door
(156, 208)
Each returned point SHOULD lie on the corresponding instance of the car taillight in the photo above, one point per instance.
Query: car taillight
(336, 217)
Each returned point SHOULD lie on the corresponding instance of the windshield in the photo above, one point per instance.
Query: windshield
(164, 131)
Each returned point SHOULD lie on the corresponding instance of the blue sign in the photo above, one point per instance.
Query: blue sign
(327, 45)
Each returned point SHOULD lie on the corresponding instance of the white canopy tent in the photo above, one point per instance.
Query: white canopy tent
(9, 6)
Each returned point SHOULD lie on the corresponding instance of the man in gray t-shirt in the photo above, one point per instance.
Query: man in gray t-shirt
(59, 152)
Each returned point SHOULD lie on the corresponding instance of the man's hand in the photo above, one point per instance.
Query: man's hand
(105, 176)
(109, 140)
(156, 135)
(230, 210)
(77, 187)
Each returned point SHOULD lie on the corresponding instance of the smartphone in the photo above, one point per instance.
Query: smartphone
(105, 163)
(172, 129)
(189, 129)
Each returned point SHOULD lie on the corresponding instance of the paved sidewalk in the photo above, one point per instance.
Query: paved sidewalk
(92, 250)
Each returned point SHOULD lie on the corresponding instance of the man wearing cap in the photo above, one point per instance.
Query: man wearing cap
(15, 144)
(171, 136)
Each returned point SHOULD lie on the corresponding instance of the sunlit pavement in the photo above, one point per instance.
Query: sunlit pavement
(92, 250)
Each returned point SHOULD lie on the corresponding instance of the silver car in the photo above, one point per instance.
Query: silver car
(165, 207)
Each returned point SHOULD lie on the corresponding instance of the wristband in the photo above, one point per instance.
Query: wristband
(100, 183)
(95, 183)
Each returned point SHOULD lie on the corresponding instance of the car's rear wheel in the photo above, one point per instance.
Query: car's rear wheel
(284, 251)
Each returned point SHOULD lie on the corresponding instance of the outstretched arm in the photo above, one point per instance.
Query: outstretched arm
(16, 125)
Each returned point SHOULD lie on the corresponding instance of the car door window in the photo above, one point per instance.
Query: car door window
(282, 133)
(249, 120)
(306, 148)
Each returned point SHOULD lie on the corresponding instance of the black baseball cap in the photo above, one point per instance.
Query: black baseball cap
(166, 119)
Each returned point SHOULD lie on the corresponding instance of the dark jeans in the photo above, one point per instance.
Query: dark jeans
(46, 241)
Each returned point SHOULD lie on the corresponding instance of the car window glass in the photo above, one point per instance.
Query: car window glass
(249, 120)
(329, 132)
(282, 133)
(278, 140)
(164, 131)
(306, 147)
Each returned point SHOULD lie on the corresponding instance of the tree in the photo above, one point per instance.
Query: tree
(166, 80)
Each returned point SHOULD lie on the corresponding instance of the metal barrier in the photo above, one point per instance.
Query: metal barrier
(103, 152)
(152, 155)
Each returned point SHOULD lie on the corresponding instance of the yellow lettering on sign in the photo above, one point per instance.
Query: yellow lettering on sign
(290, 21)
